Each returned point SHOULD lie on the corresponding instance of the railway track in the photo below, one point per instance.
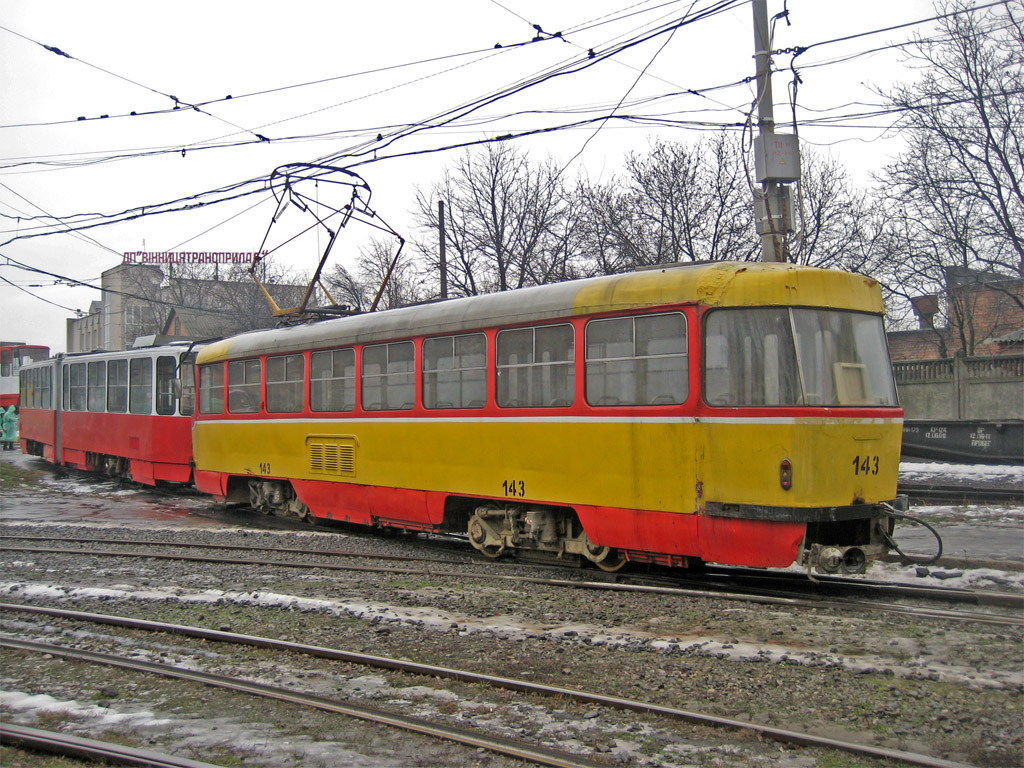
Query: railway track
(530, 752)
(57, 743)
(727, 584)
(960, 494)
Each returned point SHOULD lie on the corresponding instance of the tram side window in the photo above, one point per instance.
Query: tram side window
(187, 376)
(389, 376)
(638, 360)
(332, 380)
(455, 371)
(211, 388)
(117, 386)
(96, 386)
(243, 386)
(166, 374)
(285, 377)
(535, 367)
(5, 362)
(140, 385)
(34, 386)
(77, 388)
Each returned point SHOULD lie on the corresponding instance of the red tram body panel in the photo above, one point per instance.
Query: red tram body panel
(125, 413)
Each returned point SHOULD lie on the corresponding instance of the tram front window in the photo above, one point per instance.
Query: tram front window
(779, 356)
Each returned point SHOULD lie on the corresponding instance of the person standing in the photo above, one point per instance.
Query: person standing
(9, 425)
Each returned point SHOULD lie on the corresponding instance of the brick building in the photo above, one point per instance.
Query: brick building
(983, 315)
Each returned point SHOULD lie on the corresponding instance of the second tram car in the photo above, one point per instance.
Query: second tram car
(14, 355)
(126, 414)
(737, 413)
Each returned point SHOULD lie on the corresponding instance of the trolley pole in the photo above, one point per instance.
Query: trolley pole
(776, 155)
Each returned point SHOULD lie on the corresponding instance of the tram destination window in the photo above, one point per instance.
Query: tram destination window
(286, 375)
(243, 386)
(140, 385)
(332, 380)
(389, 376)
(536, 368)
(455, 371)
(637, 360)
(117, 386)
(778, 356)
(211, 388)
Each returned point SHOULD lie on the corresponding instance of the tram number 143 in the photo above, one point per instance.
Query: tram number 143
(865, 465)
(514, 488)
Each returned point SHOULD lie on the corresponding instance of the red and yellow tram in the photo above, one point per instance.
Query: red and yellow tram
(127, 414)
(730, 412)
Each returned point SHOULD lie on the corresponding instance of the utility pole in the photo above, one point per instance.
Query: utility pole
(776, 155)
(444, 260)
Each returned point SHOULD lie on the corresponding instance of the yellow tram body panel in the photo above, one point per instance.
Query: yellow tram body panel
(653, 465)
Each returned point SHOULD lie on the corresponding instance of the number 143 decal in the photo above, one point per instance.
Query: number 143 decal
(865, 465)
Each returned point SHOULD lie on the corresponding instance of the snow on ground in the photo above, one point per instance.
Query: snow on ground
(995, 474)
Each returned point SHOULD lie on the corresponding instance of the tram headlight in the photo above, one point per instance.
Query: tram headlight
(786, 474)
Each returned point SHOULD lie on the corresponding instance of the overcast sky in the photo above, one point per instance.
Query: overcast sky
(323, 79)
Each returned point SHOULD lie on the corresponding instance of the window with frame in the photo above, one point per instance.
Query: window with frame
(638, 360)
(536, 367)
(244, 386)
(211, 388)
(785, 356)
(76, 389)
(6, 356)
(140, 385)
(96, 386)
(455, 371)
(389, 376)
(34, 388)
(332, 380)
(187, 377)
(117, 386)
(286, 375)
(166, 375)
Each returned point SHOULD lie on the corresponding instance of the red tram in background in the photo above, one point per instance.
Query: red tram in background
(126, 414)
(14, 355)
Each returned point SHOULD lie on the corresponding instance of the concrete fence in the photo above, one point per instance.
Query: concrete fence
(990, 388)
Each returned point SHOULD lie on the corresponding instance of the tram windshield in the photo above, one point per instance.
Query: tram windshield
(786, 356)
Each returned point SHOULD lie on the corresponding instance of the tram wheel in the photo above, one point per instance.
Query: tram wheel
(611, 562)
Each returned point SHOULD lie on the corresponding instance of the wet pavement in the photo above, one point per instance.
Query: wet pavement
(977, 533)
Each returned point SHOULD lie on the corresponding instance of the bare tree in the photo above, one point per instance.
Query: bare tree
(955, 196)
(504, 225)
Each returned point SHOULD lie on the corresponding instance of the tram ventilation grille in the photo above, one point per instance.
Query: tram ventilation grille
(332, 455)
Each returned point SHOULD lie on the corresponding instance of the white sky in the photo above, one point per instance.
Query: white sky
(201, 51)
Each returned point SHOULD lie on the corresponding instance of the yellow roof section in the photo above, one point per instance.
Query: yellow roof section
(711, 284)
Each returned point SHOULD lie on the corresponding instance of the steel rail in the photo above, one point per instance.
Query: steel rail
(765, 597)
(534, 754)
(733, 573)
(57, 743)
(508, 683)
(960, 494)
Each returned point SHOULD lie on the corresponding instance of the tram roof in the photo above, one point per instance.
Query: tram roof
(709, 284)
